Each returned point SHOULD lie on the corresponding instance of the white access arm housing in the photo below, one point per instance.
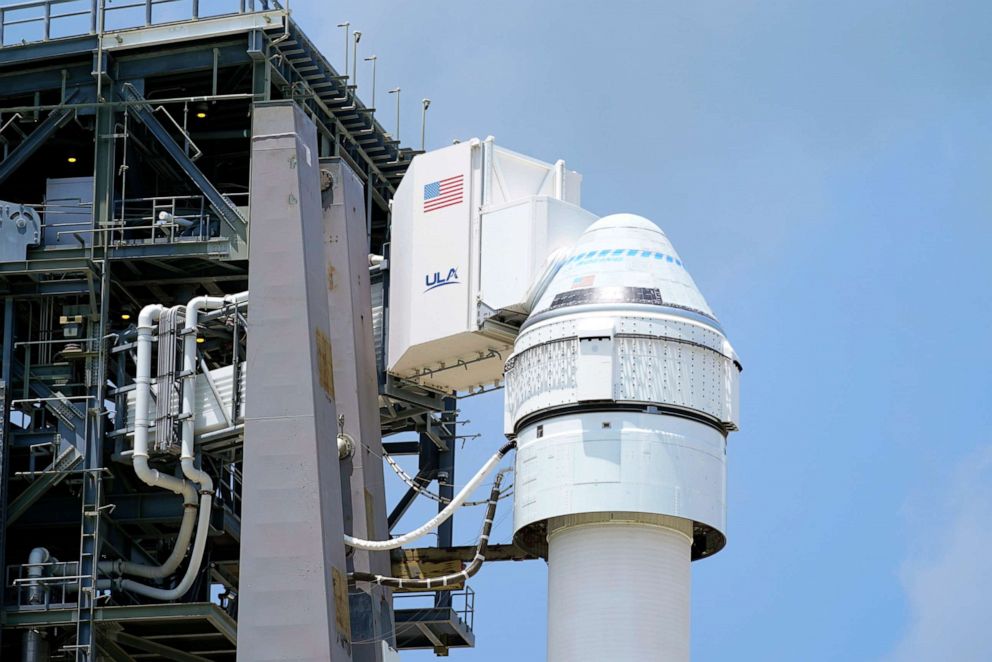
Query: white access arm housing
(473, 227)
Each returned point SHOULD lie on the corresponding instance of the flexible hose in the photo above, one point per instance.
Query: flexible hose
(437, 520)
(455, 578)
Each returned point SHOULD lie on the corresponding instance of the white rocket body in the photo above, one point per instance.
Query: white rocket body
(620, 391)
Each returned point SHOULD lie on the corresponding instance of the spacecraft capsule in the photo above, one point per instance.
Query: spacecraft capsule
(620, 392)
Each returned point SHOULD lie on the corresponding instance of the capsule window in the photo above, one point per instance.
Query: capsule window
(607, 425)
(540, 431)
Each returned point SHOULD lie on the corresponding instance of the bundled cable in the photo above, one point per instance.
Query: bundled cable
(437, 520)
(470, 570)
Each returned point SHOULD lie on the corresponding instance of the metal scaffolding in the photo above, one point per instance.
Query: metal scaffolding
(126, 133)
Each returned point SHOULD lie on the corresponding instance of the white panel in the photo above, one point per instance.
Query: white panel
(656, 360)
(517, 238)
(508, 255)
(209, 416)
(573, 188)
(518, 175)
(594, 369)
(430, 288)
(450, 260)
(667, 466)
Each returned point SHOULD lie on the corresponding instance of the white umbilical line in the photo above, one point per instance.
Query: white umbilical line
(443, 515)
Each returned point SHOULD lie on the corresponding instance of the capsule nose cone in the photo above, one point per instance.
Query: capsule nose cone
(629, 221)
(624, 258)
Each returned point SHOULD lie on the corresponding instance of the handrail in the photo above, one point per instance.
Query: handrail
(50, 14)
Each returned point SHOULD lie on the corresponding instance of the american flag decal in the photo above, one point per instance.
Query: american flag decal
(583, 281)
(443, 193)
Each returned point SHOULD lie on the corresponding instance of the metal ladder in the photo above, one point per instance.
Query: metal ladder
(89, 544)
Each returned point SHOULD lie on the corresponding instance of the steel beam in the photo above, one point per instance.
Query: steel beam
(176, 612)
(466, 553)
(403, 505)
(21, 81)
(144, 113)
(401, 447)
(55, 121)
(446, 485)
(6, 372)
(181, 60)
(18, 56)
(168, 652)
(204, 28)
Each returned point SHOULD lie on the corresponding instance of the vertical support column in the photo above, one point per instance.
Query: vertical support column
(6, 372)
(446, 485)
(350, 303)
(104, 157)
(294, 591)
(261, 71)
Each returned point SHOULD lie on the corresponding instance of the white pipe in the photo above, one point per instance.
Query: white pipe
(36, 570)
(560, 179)
(175, 557)
(142, 394)
(191, 570)
(618, 591)
(488, 179)
(437, 520)
(187, 457)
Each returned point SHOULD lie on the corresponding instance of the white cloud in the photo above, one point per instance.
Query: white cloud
(948, 583)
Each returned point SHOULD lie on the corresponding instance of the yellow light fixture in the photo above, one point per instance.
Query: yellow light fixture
(71, 159)
(125, 316)
(201, 115)
(200, 341)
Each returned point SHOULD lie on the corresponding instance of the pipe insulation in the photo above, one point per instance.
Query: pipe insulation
(437, 520)
(618, 591)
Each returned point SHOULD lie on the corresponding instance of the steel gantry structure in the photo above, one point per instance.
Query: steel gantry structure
(129, 135)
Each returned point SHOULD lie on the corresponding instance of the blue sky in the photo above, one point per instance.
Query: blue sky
(823, 170)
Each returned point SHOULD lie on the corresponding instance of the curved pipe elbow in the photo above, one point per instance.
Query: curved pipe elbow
(198, 476)
(149, 314)
(193, 308)
(196, 558)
